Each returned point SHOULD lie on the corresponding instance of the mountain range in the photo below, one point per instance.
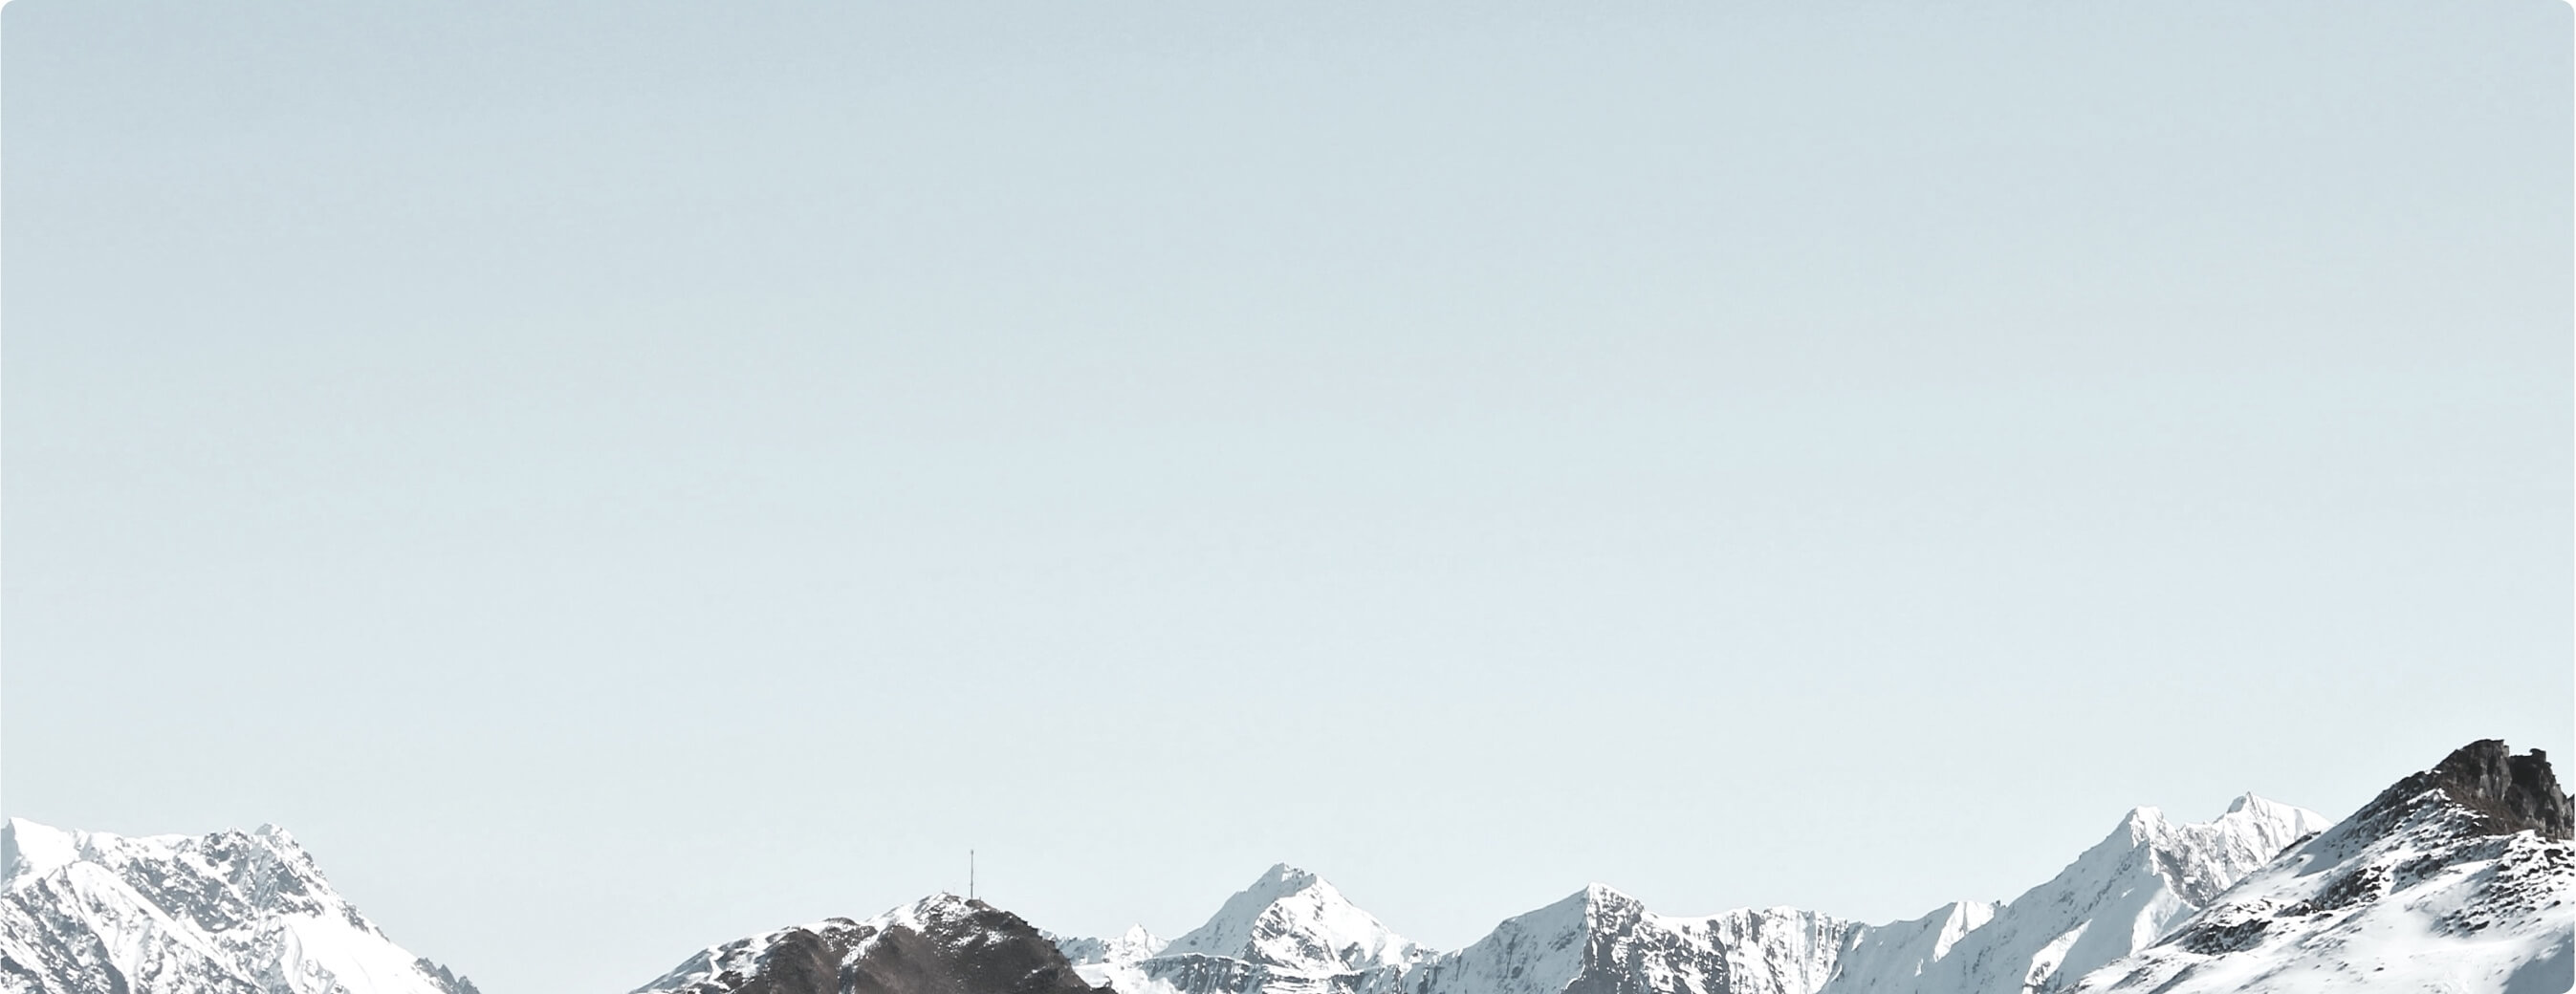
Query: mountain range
(2461, 878)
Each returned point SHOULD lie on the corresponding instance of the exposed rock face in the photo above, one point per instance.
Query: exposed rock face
(941, 945)
(2511, 793)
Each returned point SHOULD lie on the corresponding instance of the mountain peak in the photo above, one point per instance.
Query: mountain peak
(2498, 792)
(29, 850)
(1295, 920)
(938, 944)
(1604, 901)
(165, 914)
(2519, 792)
(2141, 823)
(1282, 879)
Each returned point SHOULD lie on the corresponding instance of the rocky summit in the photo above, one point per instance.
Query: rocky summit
(2508, 793)
(943, 944)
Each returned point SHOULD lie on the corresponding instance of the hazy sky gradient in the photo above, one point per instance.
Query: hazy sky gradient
(617, 477)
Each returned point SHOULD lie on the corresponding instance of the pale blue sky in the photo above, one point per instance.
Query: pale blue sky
(616, 477)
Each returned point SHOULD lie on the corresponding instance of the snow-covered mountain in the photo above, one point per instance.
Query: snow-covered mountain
(942, 944)
(2127, 891)
(1891, 958)
(1600, 941)
(1290, 932)
(1292, 920)
(2460, 879)
(227, 913)
(1133, 944)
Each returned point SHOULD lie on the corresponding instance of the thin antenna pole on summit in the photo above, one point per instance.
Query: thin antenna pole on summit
(970, 874)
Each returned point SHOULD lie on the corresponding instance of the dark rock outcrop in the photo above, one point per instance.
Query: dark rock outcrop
(2505, 792)
(942, 945)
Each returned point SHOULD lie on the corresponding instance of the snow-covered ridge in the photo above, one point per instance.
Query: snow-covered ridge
(1602, 940)
(2459, 879)
(2119, 896)
(1290, 932)
(225, 913)
(2155, 902)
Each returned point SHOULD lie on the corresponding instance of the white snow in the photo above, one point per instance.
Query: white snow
(180, 914)
(2122, 894)
(2414, 901)
(1292, 920)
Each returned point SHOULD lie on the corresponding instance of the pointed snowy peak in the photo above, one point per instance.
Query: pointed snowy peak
(1293, 920)
(29, 850)
(2197, 860)
(1607, 908)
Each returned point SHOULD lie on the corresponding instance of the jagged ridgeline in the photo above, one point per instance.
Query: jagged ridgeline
(227, 913)
(2460, 878)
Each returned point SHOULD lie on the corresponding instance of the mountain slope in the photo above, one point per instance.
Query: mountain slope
(1600, 941)
(943, 944)
(1293, 920)
(2461, 878)
(2125, 892)
(227, 913)
(1891, 958)
(1290, 932)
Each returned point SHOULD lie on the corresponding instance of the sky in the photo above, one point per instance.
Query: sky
(616, 477)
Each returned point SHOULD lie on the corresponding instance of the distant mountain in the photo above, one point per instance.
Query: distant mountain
(1600, 941)
(942, 944)
(1133, 944)
(2461, 871)
(2127, 891)
(1292, 933)
(227, 913)
(2459, 878)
